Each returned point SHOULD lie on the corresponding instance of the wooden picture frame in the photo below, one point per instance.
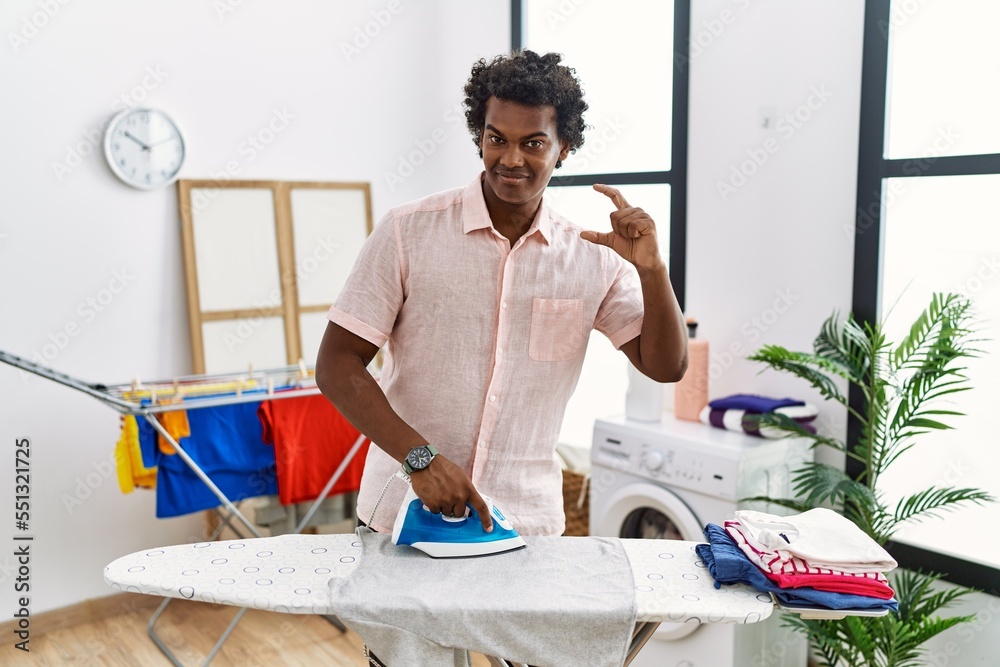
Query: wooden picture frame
(261, 258)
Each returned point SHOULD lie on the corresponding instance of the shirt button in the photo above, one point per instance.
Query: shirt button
(503, 305)
(493, 398)
(482, 443)
(499, 351)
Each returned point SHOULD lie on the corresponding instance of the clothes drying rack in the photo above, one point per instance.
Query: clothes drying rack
(192, 392)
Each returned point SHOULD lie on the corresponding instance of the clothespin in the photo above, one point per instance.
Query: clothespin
(239, 386)
(136, 383)
(303, 373)
(270, 387)
(152, 396)
(250, 370)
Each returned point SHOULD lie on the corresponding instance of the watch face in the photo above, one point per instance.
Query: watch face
(419, 458)
(144, 148)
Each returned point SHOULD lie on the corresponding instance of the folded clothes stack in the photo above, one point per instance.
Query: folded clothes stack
(735, 413)
(817, 559)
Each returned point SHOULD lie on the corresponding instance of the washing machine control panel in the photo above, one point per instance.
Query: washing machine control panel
(681, 464)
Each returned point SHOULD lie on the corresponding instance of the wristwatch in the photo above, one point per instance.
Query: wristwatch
(419, 458)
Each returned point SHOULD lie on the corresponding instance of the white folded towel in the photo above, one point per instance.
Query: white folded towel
(821, 537)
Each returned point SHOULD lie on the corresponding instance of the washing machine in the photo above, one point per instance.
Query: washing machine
(666, 480)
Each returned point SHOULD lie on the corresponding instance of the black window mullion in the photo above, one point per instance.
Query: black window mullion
(679, 150)
(619, 178)
(952, 165)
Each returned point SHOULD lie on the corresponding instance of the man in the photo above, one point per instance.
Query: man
(486, 298)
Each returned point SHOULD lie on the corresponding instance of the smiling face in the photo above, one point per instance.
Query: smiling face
(520, 147)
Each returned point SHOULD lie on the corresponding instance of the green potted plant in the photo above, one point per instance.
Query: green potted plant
(903, 386)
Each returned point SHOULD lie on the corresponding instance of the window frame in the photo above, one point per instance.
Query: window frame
(873, 169)
(676, 176)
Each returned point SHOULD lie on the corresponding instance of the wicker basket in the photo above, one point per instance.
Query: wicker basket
(576, 503)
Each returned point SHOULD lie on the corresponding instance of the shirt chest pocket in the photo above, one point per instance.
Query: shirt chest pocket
(556, 329)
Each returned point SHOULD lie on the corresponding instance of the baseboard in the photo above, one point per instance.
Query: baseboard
(88, 611)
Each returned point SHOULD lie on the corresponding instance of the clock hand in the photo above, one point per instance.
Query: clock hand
(162, 142)
(144, 146)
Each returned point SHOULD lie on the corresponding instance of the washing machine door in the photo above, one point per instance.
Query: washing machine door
(648, 511)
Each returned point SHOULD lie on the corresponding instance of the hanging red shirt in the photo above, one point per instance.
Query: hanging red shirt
(310, 439)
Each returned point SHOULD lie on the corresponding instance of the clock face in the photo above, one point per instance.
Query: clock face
(144, 148)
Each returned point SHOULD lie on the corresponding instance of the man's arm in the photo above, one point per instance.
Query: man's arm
(342, 376)
(660, 350)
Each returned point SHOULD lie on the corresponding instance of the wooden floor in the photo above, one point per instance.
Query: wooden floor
(190, 629)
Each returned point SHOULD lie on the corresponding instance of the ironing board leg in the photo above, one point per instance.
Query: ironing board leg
(499, 662)
(156, 638)
(170, 654)
(225, 635)
(643, 631)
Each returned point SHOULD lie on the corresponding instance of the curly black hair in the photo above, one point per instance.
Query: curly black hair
(527, 78)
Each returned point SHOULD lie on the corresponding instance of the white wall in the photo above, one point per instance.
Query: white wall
(64, 236)
(768, 258)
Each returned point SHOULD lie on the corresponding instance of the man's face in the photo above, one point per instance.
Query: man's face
(520, 147)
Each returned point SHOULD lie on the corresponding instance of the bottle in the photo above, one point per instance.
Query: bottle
(691, 392)
(644, 398)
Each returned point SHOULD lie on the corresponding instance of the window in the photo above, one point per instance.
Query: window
(927, 222)
(624, 53)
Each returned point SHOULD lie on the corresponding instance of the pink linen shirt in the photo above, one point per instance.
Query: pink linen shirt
(485, 343)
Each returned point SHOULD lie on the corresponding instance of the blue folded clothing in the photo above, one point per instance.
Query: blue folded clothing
(728, 565)
(752, 403)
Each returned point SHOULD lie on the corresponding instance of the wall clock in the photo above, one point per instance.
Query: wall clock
(144, 148)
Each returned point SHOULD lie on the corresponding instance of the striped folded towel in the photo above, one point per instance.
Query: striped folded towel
(742, 421)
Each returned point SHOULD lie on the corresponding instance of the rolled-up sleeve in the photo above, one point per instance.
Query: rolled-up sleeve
(368, 304)
(620, 315)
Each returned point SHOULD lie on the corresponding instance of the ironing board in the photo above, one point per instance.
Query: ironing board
(191, 392)
(291, 574)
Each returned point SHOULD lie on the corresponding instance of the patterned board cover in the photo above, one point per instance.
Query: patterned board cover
(290, 574)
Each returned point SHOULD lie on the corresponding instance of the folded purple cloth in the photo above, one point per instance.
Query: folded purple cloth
(752, 403)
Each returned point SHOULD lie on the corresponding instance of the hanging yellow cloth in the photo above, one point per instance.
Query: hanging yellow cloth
(128, 459)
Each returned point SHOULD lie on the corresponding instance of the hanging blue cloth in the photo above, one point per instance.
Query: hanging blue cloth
(226, 443)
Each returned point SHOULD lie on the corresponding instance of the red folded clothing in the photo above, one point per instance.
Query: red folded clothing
(856, 584)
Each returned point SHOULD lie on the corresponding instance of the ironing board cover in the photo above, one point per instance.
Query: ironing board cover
(290, 574)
